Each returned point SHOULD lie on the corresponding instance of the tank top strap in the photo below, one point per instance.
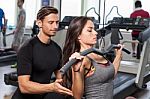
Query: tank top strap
(90, 58)
(93, 61)
(88, 70)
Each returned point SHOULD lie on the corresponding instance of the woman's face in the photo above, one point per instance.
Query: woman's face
(88, 35)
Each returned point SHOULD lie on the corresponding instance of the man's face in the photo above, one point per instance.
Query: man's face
(50, 24)
(19, 3)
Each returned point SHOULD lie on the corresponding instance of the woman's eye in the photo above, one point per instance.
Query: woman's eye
(89, 30)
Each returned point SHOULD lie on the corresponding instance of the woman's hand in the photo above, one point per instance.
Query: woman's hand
(77, 56)
(119, 50)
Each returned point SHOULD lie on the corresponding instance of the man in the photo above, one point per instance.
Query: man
(138, 13)
(19, 31)
(3, 25)
(20, 28)
(38, 58)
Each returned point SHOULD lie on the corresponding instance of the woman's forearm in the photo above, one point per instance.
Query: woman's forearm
(116, 63)
(78, 85)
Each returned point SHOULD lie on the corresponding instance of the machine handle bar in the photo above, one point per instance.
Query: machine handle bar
(66, 67)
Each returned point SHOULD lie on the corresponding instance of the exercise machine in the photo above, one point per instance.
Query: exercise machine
(132, 75)
(129, 78)
(7, 54)
(11, 78)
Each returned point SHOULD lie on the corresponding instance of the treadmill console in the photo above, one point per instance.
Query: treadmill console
(121, 20)
(67, 19)
(129, 23)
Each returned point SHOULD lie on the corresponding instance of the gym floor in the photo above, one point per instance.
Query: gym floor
(6, 91)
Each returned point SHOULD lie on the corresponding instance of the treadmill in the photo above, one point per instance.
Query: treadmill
(124, 85)
(127, 83)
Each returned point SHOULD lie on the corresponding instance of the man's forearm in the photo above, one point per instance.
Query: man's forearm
(35, 88)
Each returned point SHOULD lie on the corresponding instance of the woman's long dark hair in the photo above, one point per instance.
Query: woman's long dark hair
(72, 43)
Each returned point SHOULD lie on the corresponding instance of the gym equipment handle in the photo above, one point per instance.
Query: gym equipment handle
(84, 53)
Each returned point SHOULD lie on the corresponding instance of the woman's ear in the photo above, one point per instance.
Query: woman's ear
(79, 37)
(39, 23)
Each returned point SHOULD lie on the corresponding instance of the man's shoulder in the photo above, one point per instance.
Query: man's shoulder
(140, 12)
(56, 44)
(144, 11)
(30, 42)
(1, 10)
(27, 46)
(22, 11)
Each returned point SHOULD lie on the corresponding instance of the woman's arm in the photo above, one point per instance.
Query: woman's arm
(118, 58)
(78, 81)
(116, 63)
(78, 71)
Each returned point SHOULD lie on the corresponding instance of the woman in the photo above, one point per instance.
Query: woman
(93, 75)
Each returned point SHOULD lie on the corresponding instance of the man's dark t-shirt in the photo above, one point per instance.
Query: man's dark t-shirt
(38, 60)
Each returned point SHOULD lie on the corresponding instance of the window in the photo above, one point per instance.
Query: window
(70, 8)
(10, 9)
(122, 8)
(145, 5)
(91, 8)
(31, 7)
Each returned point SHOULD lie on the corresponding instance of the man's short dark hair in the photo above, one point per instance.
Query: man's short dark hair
(138, 4)
(46, 10)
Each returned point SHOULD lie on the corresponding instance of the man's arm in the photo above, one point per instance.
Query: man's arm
(30, 87)
(5, 23)
(24, 69)
(19, 24)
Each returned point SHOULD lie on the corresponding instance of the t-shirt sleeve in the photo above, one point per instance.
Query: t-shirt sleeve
(148, 15)
(24, 60)
(3, 13)
(60, 63)
(22, 13)
(60, 60)
(131, 15)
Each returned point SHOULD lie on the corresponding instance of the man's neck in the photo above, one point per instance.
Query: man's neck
(139, 8)
(43, 38)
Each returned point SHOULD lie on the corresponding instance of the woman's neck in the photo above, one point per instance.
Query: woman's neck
(85, 47)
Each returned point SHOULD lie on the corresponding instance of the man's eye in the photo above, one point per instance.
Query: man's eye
(50, 22)
(57, 22)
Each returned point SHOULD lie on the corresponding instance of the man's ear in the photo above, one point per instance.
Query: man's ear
(39, 23)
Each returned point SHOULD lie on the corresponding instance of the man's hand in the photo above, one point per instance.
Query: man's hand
(57, 87)
(4, 29)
